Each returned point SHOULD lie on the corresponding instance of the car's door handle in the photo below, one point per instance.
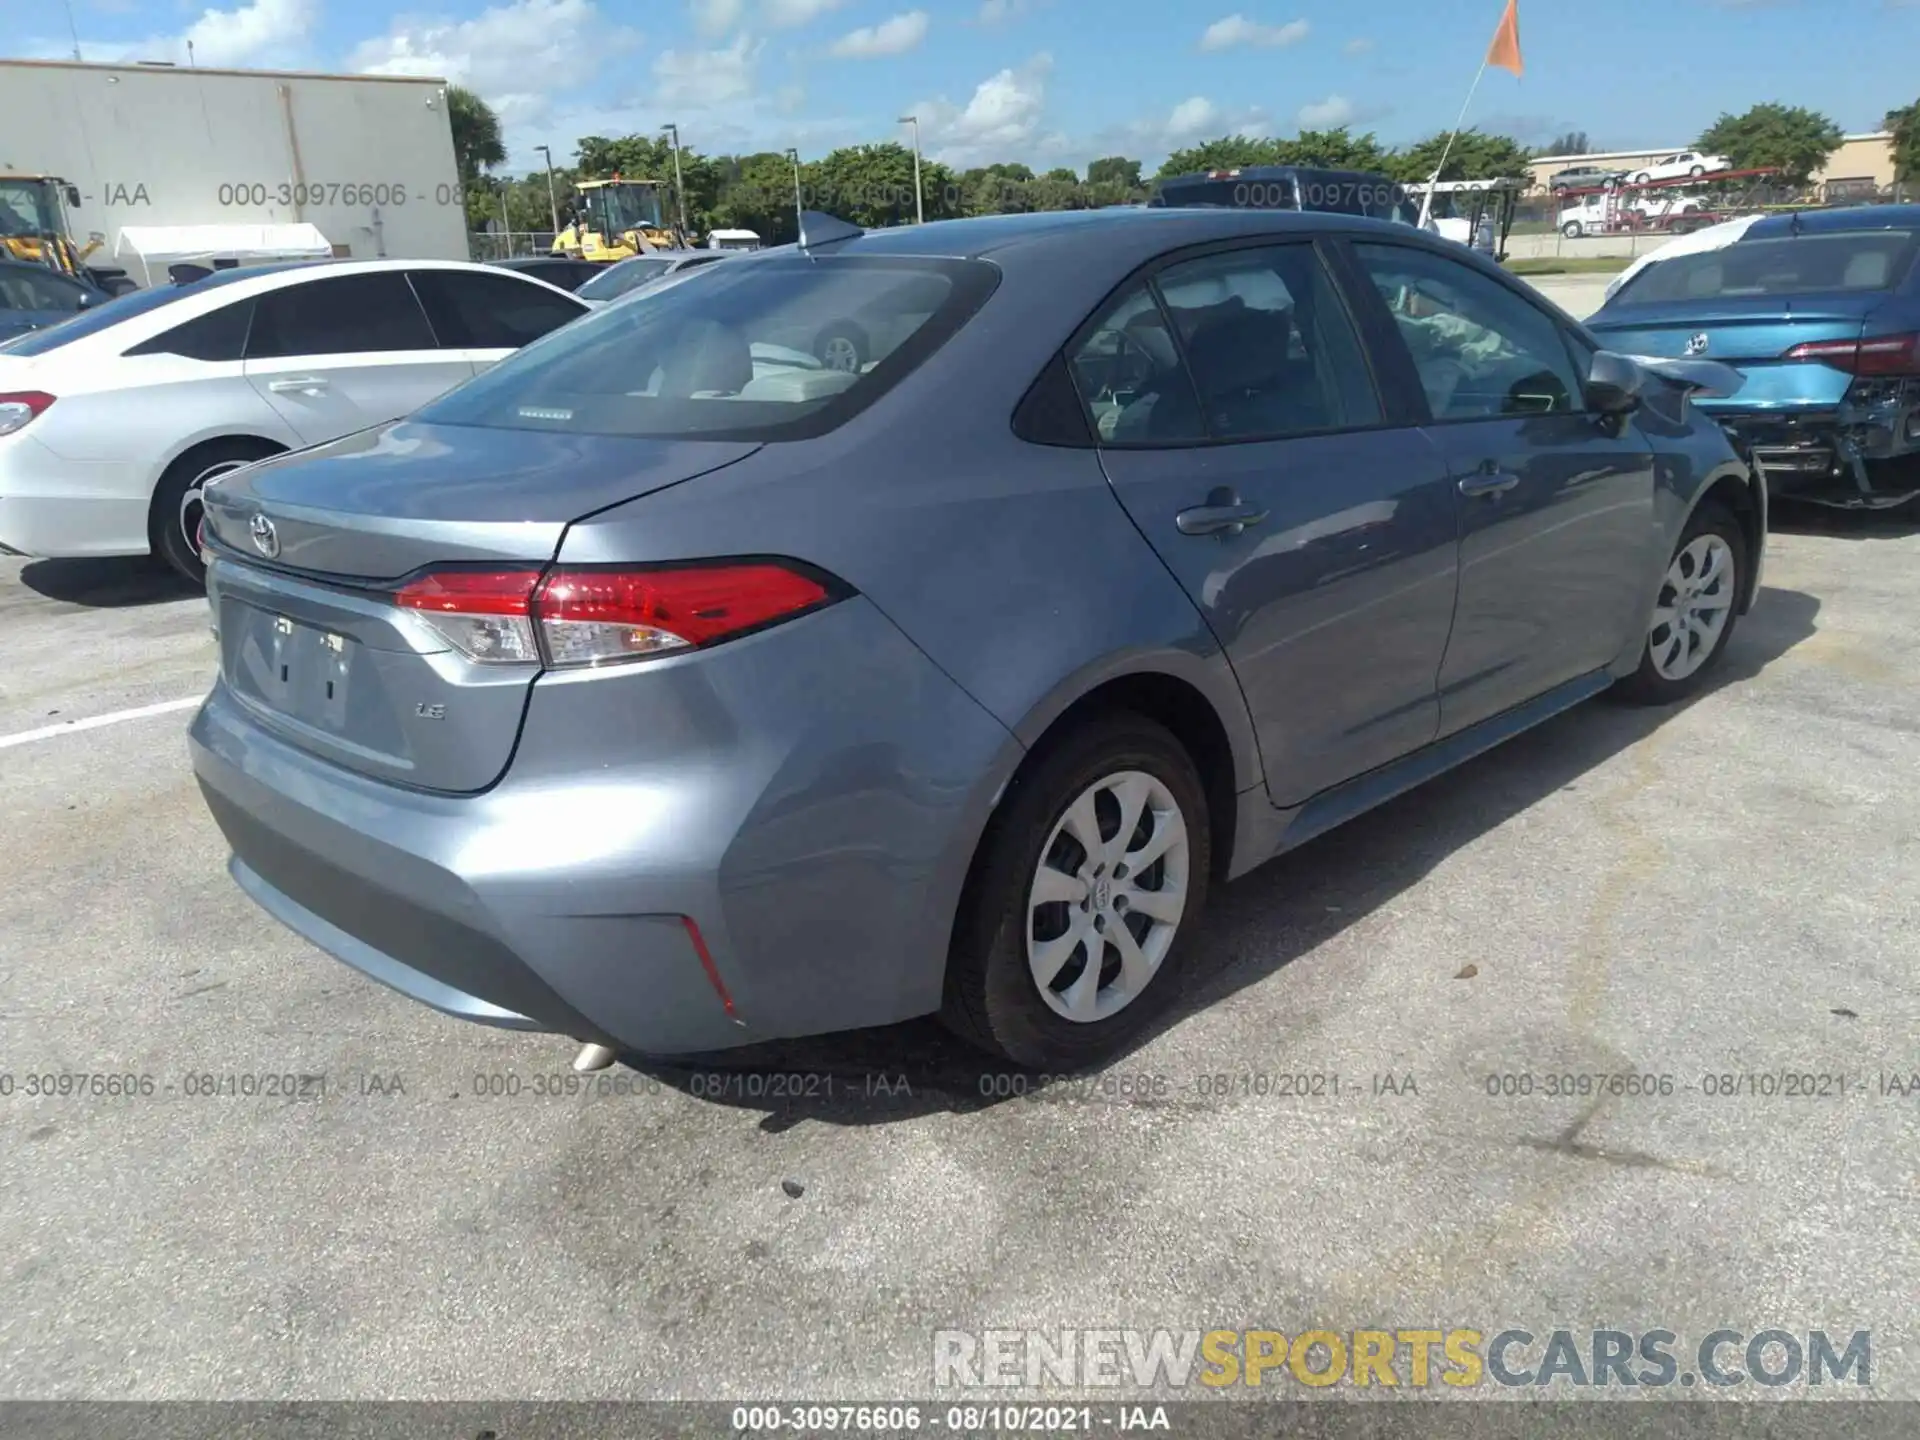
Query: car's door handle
(1488, 482)
(300, 385)
(1218, 517)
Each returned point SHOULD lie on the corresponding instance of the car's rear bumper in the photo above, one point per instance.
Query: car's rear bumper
(767, 840)
(53, 507)
(1835, 454)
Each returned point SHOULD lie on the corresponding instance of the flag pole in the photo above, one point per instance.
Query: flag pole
(1426, 201)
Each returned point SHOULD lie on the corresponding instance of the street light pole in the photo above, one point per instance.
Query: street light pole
(799, 206)
(553, 205)
(679, 189)
(919, 208)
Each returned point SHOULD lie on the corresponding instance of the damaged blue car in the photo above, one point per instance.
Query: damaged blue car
(1820, 311)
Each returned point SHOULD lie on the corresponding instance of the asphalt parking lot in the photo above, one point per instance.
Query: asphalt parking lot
(1726, 890)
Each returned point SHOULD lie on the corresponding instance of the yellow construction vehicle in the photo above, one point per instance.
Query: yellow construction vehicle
(615, 219)
(34, 228)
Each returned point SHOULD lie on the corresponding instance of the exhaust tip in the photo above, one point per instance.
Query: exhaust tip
(594, 1057)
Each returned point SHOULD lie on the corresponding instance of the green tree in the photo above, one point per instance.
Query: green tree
(1474, 155)
(1574, 142)
(1229, 152)
(477, 146)
(1057, 190)
(1905, 128)
(872, 185)
(1333, 150)
(1115, 170)
(756, 193)
(1774, 136)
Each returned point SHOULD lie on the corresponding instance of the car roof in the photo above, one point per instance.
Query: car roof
(1828, 222)
(1153, 229)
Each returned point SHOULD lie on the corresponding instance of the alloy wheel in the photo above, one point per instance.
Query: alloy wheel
(840, 353)
(1695, 602)
(1107, 896)
(191, 507)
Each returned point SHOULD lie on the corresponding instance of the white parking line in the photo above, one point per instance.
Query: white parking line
(47, 732)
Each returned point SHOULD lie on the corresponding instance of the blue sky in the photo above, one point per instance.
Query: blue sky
(1047, 82)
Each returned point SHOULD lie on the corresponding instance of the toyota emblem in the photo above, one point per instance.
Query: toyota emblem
(265, 538)
(1697, 345)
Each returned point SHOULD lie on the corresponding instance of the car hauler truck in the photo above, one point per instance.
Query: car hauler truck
(158, 165)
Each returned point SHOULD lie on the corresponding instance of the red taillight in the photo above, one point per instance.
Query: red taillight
(1881, 355)
(484, 614)
(593, 617)
(21, 407)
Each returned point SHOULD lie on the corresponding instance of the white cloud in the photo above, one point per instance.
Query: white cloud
(791, 14)
(519, 57)
(716, 17)
(257, 33)
(1237, 31)
(1000, 122)
(705, 79)
(1358, 46)
(1328, 114)
(1192, 117)
(890, 37)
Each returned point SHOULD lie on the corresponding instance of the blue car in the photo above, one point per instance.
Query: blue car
(1821, 312)
(33, 297)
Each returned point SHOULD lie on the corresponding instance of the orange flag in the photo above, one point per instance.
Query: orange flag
(1504, 52)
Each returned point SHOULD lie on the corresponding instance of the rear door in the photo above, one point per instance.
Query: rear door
(1556, 504)
(491, 314)
(1312, 525)
(338, 353)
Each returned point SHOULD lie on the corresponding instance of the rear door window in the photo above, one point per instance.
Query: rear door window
(1261, 348)
(342, 315)
(478, 311)
(219, 335)
(764, 349)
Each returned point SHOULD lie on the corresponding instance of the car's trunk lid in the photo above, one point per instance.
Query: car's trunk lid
(311, 640)
(1753, 335)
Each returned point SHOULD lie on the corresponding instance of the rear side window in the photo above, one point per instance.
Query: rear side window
(490, 312)
(776, 349)
(1260, 348)
(347, 314)
(218, 335)
(1790, 265)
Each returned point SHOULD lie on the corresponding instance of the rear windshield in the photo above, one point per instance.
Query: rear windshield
(618, 279)
(775, 349)
(1790, 265)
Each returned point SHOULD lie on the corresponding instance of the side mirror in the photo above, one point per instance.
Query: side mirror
(1614, 384)
(73, 197)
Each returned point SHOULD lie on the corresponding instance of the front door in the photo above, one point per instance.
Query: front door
(1557, 504)
(338, 354)
(1241, 428)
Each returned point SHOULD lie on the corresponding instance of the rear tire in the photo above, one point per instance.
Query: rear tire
(1109, 937)
(173, 523)
(1694, 613)
(843, 346)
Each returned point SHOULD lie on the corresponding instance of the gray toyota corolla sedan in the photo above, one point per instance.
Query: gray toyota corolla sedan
(671, 688)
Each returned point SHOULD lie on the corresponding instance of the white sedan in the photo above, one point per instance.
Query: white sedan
(1682, 162)
(112, 422)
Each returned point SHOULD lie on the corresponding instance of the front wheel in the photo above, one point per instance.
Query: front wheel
(1573, 230)
(1086, 887)
(1695, 611)
(1697, 171)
